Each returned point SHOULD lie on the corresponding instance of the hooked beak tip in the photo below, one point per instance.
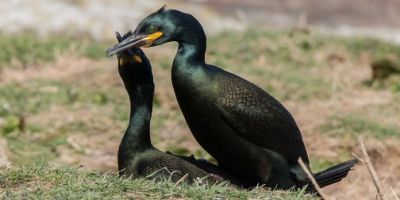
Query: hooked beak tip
(110, 52)
(131, 41)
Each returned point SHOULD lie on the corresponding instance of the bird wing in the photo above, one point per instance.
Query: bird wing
(259, 118)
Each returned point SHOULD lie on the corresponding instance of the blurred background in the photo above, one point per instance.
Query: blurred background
(334, 64)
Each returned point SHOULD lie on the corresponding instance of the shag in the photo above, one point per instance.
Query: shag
(244, 128)
(137, 157)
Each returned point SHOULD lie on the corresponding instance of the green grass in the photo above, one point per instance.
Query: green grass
(375, 47)
(392, 83)
(298, 50)
(318, 164)
(285, 61)
(358, 125)
(23, 101)
(72, 183)
(27, 49)
(36, 96)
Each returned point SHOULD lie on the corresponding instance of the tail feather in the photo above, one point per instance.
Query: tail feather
(334, 174)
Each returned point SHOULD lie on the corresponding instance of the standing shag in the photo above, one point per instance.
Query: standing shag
(243, 127)
(137, 157)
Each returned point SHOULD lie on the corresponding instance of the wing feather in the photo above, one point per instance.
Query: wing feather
(259, 118)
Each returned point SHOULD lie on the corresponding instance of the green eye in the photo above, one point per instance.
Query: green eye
(151, 29)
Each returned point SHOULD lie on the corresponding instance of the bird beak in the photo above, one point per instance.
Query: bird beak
(134, 41)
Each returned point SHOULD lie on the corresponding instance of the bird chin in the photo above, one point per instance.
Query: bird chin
(150, 39)
(147, 44)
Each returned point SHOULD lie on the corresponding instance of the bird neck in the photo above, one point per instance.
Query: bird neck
(192, 48)
(138, 130)
(137, 135)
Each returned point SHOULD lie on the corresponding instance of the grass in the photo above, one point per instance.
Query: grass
(52, 118)
(71, 183)
(26, 49)
(36, 96)
(273, 55)
(359, 125)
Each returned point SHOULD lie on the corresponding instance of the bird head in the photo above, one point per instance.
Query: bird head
(132, 55)
(158, 28)
(133, 65)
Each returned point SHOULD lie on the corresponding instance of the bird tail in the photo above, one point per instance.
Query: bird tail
(334, 174)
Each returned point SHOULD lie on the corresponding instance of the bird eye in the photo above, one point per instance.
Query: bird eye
(151, 29)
